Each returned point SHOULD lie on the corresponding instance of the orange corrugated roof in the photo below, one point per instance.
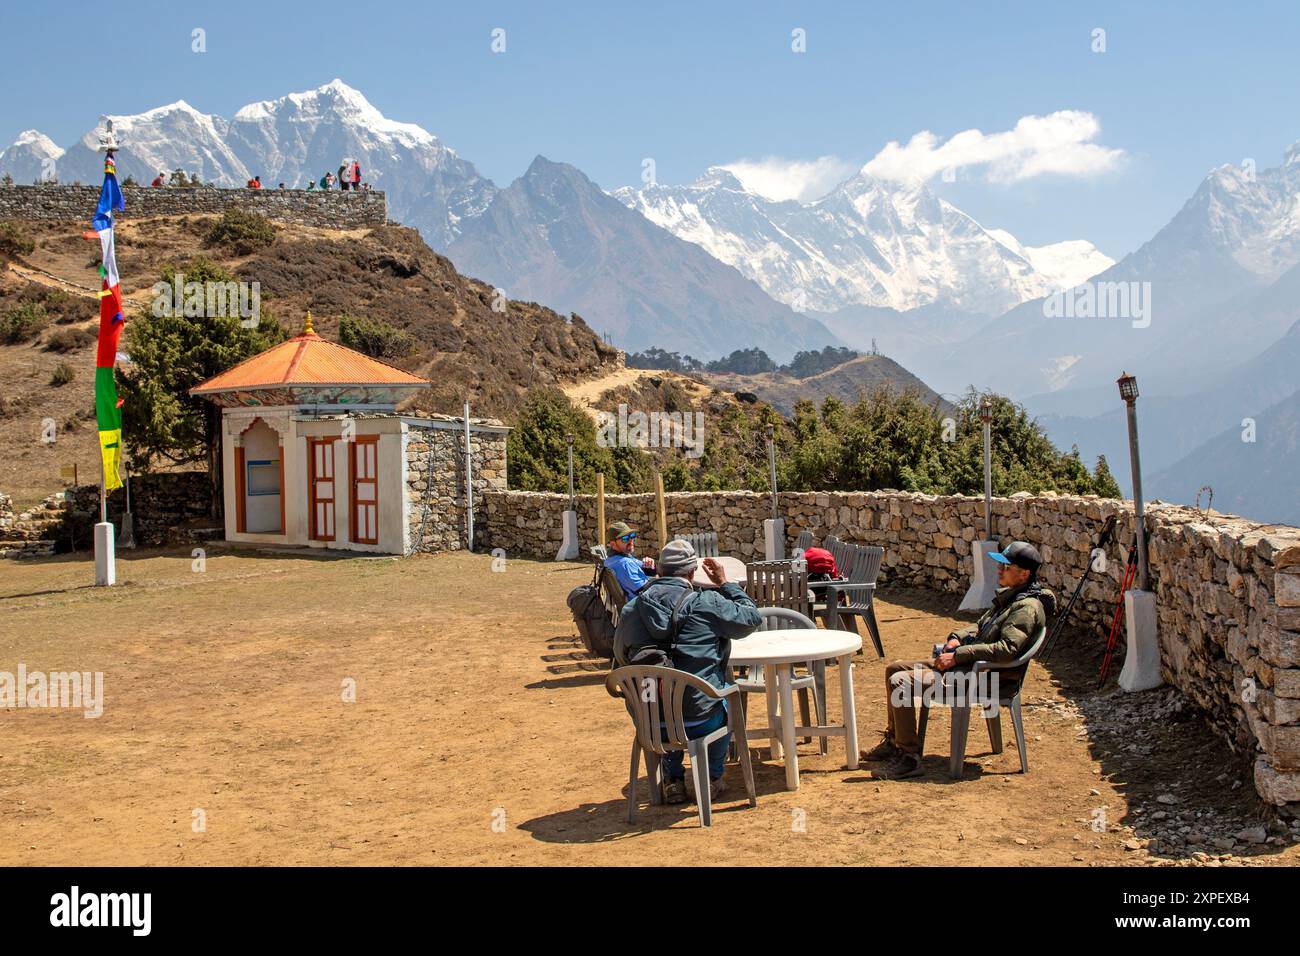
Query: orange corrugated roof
(307, 359)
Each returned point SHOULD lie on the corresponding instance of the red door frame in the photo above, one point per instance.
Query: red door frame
(313, 498)
(373, 441)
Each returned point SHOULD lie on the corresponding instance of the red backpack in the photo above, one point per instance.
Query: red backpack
(820, 561)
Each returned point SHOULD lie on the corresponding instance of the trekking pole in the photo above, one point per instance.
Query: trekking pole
(1117, 620)
(1058, 626)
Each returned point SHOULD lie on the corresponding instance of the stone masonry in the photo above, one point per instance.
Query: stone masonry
(1227, 589)
(328, 209)
(435, 479)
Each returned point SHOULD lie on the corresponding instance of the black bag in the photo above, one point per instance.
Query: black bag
(592, 618)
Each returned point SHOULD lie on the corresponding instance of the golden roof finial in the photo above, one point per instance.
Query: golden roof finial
(307, 328)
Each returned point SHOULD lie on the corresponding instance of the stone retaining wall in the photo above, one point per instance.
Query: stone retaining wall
(1227, 589)
(161, 507)
(435, 474)
(328, 209)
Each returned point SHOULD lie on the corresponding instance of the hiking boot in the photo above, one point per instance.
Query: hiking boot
(717, 788)
(675, 791)
(885, 750)
(903, 766)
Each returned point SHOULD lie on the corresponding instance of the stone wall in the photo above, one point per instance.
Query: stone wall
(165, 508)
(1227, 589)
(435, 479)
(329, 209)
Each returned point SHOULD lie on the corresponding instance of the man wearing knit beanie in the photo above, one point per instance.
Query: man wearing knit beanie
(669, 624)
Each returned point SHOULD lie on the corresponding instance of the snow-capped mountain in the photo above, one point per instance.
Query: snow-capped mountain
(869, 242)
(301, 136)
(1238, 234)
(554, 236)
(292, 139)
(175, 136)
(33, 156)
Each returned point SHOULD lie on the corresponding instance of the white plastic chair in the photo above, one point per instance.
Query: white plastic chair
(961, 714)
(660, 728)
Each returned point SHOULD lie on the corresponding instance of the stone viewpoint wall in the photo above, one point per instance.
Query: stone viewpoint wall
(329, 209)
(1227, 589)
(435, 483)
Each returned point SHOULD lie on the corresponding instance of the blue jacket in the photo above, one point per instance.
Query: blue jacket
(627, 569)
(706, 626)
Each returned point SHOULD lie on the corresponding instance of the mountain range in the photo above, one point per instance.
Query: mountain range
(869, 242)
(783, 276)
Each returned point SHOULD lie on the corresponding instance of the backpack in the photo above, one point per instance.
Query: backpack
(592, 619)
(820, 561)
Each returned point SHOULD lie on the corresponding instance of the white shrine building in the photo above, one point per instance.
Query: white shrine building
(315, 454)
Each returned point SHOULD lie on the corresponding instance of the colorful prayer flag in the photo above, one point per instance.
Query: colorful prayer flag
(108, 407)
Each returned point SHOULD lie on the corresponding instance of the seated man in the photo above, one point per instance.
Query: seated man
(627, 567)
(1020, 607)
(669, 624)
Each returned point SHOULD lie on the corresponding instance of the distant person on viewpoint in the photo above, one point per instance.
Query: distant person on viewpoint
(159, 181)
(630, 570)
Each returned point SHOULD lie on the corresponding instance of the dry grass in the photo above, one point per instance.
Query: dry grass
(223, 693)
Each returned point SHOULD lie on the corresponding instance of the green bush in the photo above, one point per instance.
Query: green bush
(241, 232)
(63, 374)
(901, 442)
(14, 242)
(22, 322)
(537, 453)
(375, 337)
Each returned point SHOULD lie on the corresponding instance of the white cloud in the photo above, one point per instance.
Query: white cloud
(802, 179)
(1060, 143)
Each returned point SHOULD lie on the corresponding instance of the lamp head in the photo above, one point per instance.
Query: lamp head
(1128, 387)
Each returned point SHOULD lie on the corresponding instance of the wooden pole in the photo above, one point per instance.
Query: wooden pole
(659, 509)
(601, 530)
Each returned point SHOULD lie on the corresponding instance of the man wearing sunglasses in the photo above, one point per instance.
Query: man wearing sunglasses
(632, 572)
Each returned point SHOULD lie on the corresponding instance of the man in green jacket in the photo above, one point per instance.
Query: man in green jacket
(669, 624)
(1004, 632)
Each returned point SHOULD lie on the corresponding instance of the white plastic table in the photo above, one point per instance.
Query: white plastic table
(735, 570)
(778, 651)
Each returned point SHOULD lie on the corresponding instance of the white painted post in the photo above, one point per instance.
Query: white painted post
(774, 539)
(1142, 658)
(984, 579)
(105, 558)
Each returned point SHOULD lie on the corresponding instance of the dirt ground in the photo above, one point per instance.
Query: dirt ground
(481, 733)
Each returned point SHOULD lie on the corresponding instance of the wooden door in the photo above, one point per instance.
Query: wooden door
(365, 490)
(321, 487)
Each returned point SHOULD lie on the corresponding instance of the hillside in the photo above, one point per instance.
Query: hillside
(848, 382)
(468, 349)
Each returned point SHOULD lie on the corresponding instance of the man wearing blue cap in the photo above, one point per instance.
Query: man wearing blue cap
(632, 572)
(1020, 607)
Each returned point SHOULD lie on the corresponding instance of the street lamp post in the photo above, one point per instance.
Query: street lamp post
(773, 527)
(569, 439)
(1128, 391)
(771, 463)
(569, 549)
(986, 416)
(1142, 657)
(984, 582)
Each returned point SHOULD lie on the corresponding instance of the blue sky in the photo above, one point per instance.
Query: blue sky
(1181, 87)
